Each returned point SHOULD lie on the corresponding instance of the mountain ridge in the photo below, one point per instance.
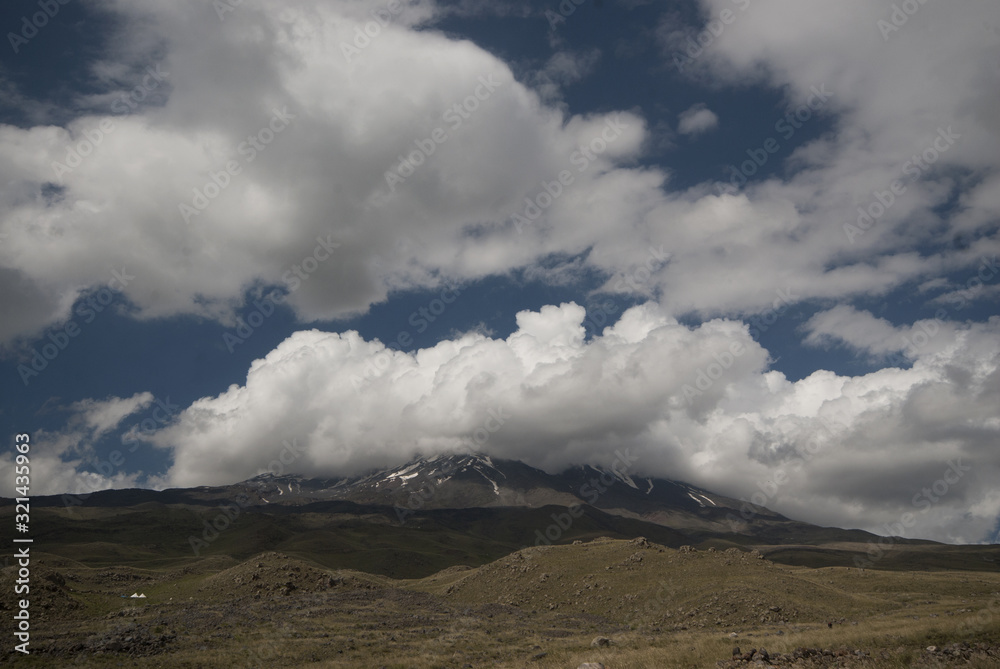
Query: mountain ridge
(478, 480)
(436, 512)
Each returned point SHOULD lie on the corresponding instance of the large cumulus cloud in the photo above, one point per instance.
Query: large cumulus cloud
(694, 403)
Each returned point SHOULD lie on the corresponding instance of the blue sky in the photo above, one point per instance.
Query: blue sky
(784, 213)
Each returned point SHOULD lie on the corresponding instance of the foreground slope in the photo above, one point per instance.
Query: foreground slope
(644, 604)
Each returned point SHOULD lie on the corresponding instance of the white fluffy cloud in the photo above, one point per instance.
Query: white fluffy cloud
(890, 101)
(697, 404)
(353, 113)
(696, 119)
(361, 110)
(864, 332)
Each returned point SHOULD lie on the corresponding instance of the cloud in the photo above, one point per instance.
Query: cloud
(859, 329)
(696, 120)
(965, 295)
(359, 113)
(694, 403)
(562, 69)
(324, 175)
(366, 405)
(883, 123)
(67, 461)
(102, 416)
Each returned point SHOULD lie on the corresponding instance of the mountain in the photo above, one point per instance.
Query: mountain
(476, 480)
(432, 513)
(479, 481)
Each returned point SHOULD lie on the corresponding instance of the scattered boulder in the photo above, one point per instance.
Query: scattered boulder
(130, 639)
(956, 654)
(600, 642)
